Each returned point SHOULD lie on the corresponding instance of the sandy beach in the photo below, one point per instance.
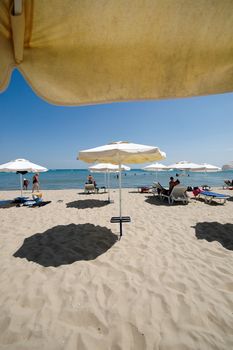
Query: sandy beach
(167, 284)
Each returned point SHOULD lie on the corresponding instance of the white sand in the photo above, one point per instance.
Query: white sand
(158, 288)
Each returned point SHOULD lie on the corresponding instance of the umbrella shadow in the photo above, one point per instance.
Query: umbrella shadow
(214, 231)
(87, 203)
(6, 204)
(155, 200)
(65, 244)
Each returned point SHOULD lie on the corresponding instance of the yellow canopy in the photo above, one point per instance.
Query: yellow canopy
(89, 51)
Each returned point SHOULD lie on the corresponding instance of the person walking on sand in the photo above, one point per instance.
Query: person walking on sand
(35, 183)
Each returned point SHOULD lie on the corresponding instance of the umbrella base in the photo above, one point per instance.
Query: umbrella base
(120, 220)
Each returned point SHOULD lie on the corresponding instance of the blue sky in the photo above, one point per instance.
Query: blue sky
(197, 129)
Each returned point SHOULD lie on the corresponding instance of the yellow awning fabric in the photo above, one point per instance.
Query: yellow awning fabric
(77, 52)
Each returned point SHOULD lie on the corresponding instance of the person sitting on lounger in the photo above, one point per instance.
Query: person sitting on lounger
(172, 183)
(90, 179)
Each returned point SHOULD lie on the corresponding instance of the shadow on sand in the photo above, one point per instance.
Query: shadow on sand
(65, 244)
(7, 204)
(91, 193)
(214, 231)
(87, 203)
(155, 200)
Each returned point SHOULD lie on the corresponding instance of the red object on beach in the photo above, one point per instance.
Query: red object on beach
(197, 191)
(144, 189)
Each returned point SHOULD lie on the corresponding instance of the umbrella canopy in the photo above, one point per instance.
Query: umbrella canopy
(156, 167)
(108, 168)
(119, 152)
(21, 166)
(207, 168)
(122, 151)
(80, 52)
(184, 165)
(228, 166)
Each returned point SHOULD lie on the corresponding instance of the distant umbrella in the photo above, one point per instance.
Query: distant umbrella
(21, 166)
(185, 165)
(107, 168)
(228, 166)
(207, 168)
(156, 167)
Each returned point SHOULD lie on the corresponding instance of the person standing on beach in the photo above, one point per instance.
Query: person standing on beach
(35, 183)
(25, 184)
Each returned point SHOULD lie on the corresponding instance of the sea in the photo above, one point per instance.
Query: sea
(75, 178)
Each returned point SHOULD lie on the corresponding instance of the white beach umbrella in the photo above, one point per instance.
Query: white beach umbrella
(117, 153)
(228, 166)
(185, 165)
(156, 167)
(107, 168)
(21, 166)
(207, 168)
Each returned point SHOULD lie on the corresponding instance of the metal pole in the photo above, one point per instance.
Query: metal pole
(21, 184)
(108, 187)
(120, 188)
(105, 179)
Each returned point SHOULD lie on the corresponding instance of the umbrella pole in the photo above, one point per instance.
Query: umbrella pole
(120, 190)
(108, 186)
(120, 219)
(21, 184)
(105, 179)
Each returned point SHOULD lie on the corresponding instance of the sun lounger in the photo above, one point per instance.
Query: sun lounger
(20, 200)
(90, 188)
(178, 194)
(209, 196)
(157, 188)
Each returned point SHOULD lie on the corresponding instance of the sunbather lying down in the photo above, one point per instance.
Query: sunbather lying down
(36, 203)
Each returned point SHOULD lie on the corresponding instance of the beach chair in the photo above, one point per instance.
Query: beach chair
(157, 189)
(178, 194)
(209, 196)
(90, 188)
